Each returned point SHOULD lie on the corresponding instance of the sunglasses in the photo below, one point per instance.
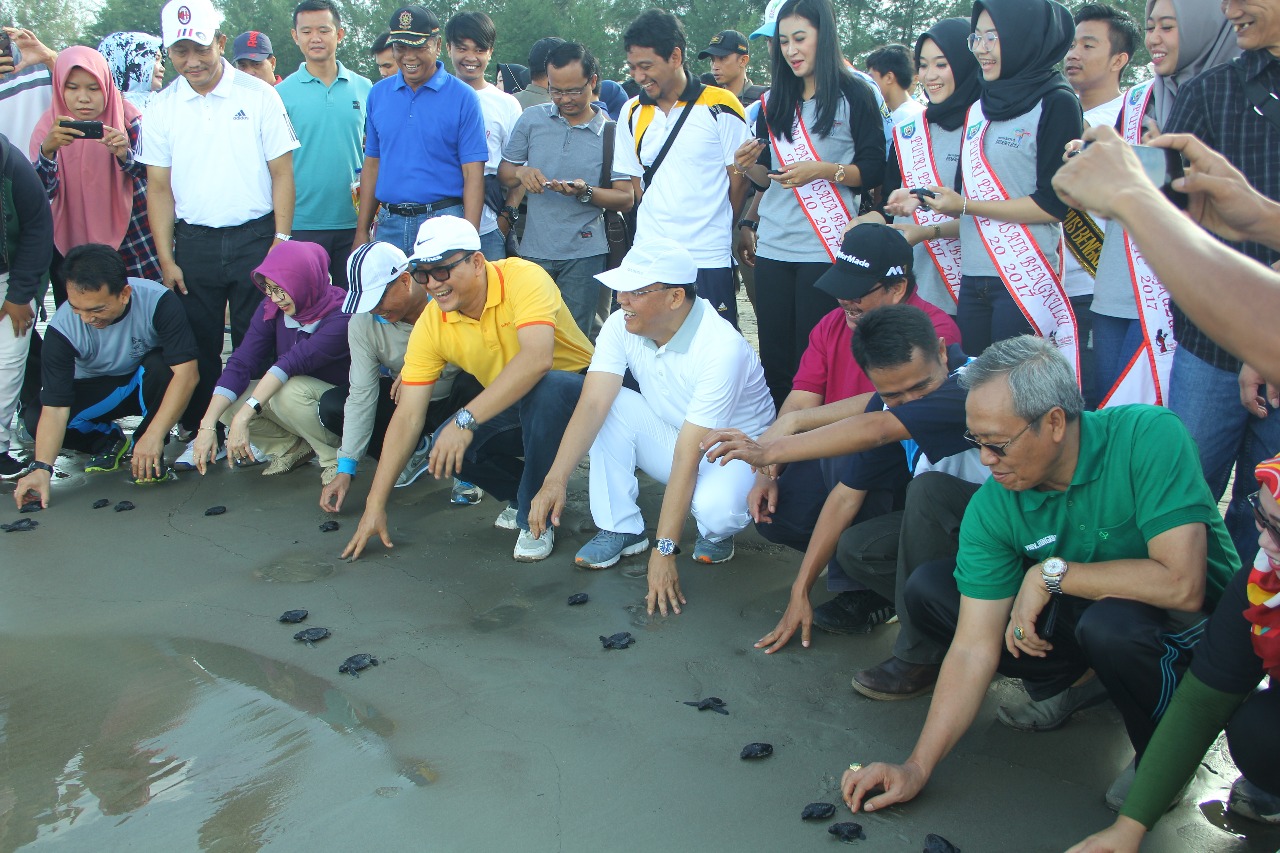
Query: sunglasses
(421, 276)
(1264, 521)
(1000, 449)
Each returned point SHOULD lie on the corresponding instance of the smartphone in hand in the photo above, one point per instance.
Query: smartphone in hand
(90, 129)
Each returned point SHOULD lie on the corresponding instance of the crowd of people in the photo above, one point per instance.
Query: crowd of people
(1004, 373)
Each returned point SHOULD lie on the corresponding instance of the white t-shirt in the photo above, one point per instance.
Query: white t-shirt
(500, 111)
(707, 374)
(1075, 281)
(24, 98)
(218, 146)
(907, 111)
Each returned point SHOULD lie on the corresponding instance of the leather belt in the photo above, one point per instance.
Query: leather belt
(422, 209)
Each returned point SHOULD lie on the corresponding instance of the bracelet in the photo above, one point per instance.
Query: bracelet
(738, 173)
(749, 223)
(964, 206)
(937, 232)
(207, 429)
(283, 237)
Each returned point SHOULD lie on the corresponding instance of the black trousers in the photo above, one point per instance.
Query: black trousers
(884, 552)
(103, 399)
(1254, 739)
(1138, 651)
(788, 306)
(337, 245)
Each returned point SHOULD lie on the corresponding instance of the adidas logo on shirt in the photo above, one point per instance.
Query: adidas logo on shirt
(239, 115)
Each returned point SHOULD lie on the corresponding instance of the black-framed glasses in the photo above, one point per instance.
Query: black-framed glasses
(1001, 449)
(988, 38)
(1264, 521)
(566, 93)
(273, 291)
(421, 276)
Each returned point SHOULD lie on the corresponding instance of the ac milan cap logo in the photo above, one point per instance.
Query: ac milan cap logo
(406, 18)
(184, 15)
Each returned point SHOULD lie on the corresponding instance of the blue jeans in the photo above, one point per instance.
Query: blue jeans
(513, 451)
(1115, 340)
(1208, 401)
(402, 231)
(493, 245)
(986, 313)
(576, 278)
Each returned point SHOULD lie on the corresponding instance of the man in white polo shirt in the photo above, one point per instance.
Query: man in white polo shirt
(696, 374)
(218, 148)
(691, 189)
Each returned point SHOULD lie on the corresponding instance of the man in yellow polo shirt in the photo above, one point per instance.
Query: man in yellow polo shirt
(506, 324)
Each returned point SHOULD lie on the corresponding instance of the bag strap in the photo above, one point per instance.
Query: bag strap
(651, 170)
(1265, 103)
(606, 167)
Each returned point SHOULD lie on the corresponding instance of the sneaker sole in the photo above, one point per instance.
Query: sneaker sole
(1001, 715)
(530, 558)
(629, 551)
(890, 697)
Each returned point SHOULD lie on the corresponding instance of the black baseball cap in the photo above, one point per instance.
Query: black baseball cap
(540, 51)
(870, 254)
(412, 26)
(725, 43)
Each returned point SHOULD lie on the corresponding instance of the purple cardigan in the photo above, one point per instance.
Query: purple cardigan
(322, 353)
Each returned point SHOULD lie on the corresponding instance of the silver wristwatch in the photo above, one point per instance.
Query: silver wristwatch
(667, 547)
(1052, 571)
(585, 198)
(464, 420)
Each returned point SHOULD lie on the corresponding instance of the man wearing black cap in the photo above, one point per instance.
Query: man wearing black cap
(730, 56)
(424, 150)
(252, 54)
(536, 92)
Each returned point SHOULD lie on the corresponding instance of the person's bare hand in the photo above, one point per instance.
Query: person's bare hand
(902, 202)
(531, 179)
(34, 51)
(148, 455)
(748, 154)
(1123, 836)
(800, 173)
(573, 189)
(238, 449)
(725, 445)
(1092, 180)
(171, 276)
(34, 485)
(762, 500)
(204, 449)
(373, 522)
(664, 585)
(1028, 604)
(116, 141)
(60, 136)
(799, 614)
(1218, 196)
(899, 782)
(1252, 386)
(449, 451)
(915, 234)
(747, 246)
(22, 317)
(549, 501)
(946, 201)
(395, 388)
(332, 495)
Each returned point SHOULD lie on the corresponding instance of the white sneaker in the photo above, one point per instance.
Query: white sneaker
(417, 463)
(506, 519)
(257, 457)
(187, 461)
(531, 549)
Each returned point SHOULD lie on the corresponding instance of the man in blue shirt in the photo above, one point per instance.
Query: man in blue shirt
(325, 101)
(424, 145)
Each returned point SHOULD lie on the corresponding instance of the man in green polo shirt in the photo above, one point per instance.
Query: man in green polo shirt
(1088, 558)
(325, 101)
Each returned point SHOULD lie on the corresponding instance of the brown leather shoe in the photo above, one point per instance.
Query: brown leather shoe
(896, 679)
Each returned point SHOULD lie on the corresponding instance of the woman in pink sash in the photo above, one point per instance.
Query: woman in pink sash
(823, 143)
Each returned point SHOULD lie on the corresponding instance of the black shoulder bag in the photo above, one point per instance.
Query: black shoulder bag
(616, 232)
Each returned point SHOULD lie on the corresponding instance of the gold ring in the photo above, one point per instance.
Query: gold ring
(855, 767)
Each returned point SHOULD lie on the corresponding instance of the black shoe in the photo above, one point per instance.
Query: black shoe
(853, 612)
(10, 468)
(896, 679)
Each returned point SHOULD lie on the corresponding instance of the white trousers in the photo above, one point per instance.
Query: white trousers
(634, 436)
(13, 366)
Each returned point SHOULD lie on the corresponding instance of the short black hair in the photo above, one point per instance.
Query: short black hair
(573, 51)
(380, 43)
(1123, 30)
(318, 6)
(657, 29)
(893, 59)
(539, 52)
(890, 335)
(476, 26)
(93, 266)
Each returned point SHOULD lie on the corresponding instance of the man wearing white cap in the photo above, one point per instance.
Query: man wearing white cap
(696, 374)
(384, 302)
(505, 323)
(219, 153)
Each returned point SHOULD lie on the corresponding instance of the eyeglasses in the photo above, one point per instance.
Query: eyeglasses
(565, 93)
(273, 291)
(634, 293)
(1001, 449)
(1264, 521)
(988, 38)
(439, 273)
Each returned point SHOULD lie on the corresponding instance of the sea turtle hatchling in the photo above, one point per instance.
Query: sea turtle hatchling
(22, 525)
(578, 598)
(757, 750)
(311, 635)
(215, 510)
(32, 506)
(329, 526)
(938, 844)
(847, 832)
(818, 811)
(620, 640)
(711, 703)
(293, 615)
(101, 502)
(355, 663)
(124, 506)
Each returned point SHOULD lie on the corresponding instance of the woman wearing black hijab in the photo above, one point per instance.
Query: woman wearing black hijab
(1010, 217)
(929, 153)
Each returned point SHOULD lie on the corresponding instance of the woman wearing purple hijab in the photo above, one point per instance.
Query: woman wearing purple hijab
(302, 324)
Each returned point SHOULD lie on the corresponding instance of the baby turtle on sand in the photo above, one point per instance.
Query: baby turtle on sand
(578, 598)
(20, 526)
(711, 703)
(124, 506)
(311, 635)
(215, 510)
(32, 506)
(621, 640)
(101, 502)
(293, 616)
(329, 527)
(938, 844)
(757, 750)
(847, 832)
(818, 811)
(355, 663)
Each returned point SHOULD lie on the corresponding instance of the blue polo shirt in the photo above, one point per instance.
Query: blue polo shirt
(329, 121)
(422, 138)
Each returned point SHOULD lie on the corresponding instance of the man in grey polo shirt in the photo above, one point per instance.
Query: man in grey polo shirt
(556, 153)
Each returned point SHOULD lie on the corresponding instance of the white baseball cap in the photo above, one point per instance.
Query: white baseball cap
(443, 235)
(770, 26)
(194, 20)
(370, 269)
(660, 261)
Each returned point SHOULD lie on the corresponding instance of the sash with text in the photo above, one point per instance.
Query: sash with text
(916, 164)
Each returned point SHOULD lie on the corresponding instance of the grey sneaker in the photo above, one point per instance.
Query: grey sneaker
(706, 551)
(506, 519)
(607, 547)
(531, 549)
(465, 494)
(1250, 801)
(417, 463)
(1052, 713)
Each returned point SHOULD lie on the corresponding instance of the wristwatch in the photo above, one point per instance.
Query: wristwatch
(42, 466)
(668, 547)
(585, 198)
(283, 237)
(253, 403)
(749, 223)
(511, 213)
(464, 420)
(1052, 571)
(839, 173)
